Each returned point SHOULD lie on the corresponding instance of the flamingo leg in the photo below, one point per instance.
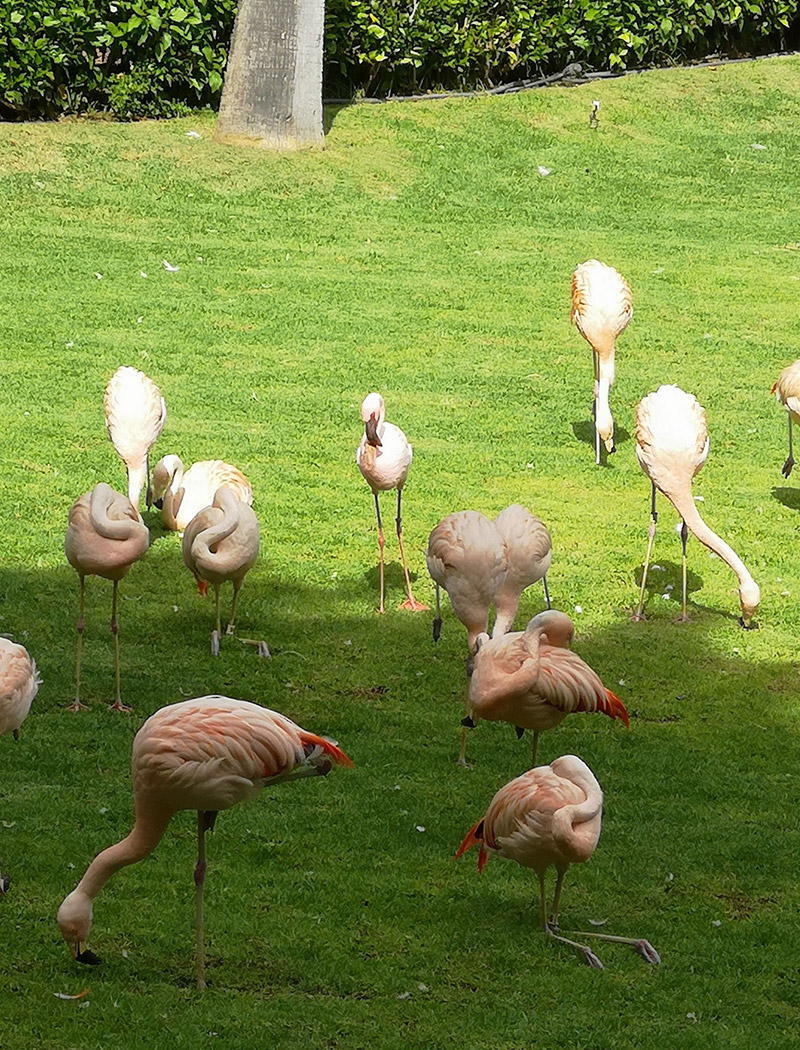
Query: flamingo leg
(199, 879)
(534, 746)
(437, 620)
(546, 592)
(216, 632)
(584, 950)
(596, 361)
(786, 469)
(684, 538)
(651, 532)
(118, 704)
(409, 603)
(232, 623)
(643, 947)
(557, 899)
(148, 494)
(380, 546)
(76, 704)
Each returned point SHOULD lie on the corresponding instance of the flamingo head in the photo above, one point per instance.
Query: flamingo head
(373, 412)
(75, 920)
(163, 473)
(749, 597)
(553, 627)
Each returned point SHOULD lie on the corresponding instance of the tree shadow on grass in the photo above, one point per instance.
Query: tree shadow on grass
(664, 585)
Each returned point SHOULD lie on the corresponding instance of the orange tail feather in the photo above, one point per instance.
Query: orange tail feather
(330, 749)
(774, 387)
(614, 708)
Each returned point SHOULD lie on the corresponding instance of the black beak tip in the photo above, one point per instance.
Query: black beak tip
(519, 731)
(88, 958)
(158, 504)
(468, 722)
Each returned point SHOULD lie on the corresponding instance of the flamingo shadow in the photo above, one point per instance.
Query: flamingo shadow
(788, 497)
(583, 429)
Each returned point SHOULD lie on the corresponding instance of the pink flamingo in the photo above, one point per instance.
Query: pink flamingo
(549, 817)
(383, 457)
(105, 536)
(19, 683)
(533, 680)
(205, 754)
(135, 415)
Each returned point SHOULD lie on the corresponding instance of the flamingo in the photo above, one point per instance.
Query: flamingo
(179, 494)
(549, 817)
(528, 554)
(19, 683)
(383, 457)
(135, 414)
(533, 680)
(481, 563)
(466, 556)
(787, 390)
(220, 543)
(672, 446)
(205, 754)
(601, 310)
(104, 537)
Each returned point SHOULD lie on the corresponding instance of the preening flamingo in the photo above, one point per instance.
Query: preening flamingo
(787, 390)
(672, 446)
(481, 563)
(19, 683)
(105, 536)
(549, 817)
(383, 457)
(205, 754)
(467, 557)
(533, 680)
(135, 414)
(528, 554)
(219, 544)
(180, 494)
(601, 310)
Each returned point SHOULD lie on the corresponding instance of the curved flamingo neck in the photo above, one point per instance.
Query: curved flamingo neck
(687, 508)
(143, 838)
(215, 534)
(109, 528)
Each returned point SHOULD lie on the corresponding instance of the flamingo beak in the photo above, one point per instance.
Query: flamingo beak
(371, 429)
(468, 722)
(81, 954)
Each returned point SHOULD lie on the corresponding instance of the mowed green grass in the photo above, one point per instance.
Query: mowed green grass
(422, 255)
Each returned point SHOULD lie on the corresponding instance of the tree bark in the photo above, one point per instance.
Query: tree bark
(273, 81)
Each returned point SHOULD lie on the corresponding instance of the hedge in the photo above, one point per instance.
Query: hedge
(160, 57)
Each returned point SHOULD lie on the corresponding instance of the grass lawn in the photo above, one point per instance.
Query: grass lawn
(421, 255)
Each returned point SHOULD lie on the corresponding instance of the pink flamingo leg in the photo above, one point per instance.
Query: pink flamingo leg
(118, 704)
(410, 603)
(380, 546)
(76, 704)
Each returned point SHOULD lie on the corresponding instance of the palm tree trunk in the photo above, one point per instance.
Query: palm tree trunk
(273, 81)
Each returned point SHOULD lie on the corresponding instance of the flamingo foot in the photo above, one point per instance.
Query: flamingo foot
(583, 950)
(412, 605)
(639, 944)
(261, 646)
(682, 618)
(786, 469)
(119, 706)
(463, 763)
(637, 617)
(76, 705)
(215, 642)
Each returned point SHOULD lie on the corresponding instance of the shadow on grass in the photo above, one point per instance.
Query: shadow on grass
(583, 429)
(788, 497)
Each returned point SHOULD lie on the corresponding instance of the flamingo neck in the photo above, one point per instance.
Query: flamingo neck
(687, 508)
(143, 838)
(604, 421)
(137, 480)
(214, 535)
(109, 528)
